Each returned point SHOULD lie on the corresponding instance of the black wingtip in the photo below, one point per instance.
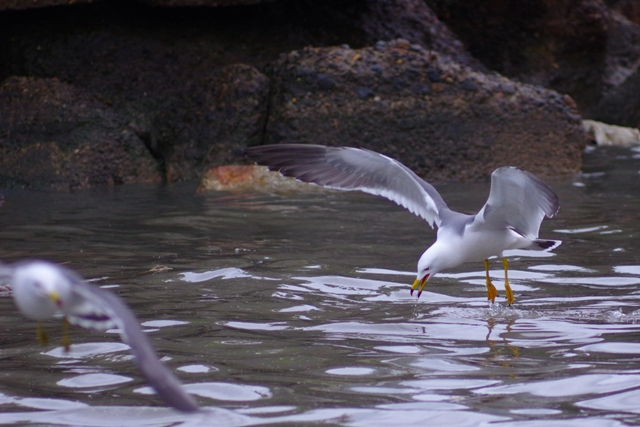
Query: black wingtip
(547, 245)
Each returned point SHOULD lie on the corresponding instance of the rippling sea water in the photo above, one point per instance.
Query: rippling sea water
(294, 309)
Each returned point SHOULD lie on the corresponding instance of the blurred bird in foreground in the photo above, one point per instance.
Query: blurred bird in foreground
(42, 290)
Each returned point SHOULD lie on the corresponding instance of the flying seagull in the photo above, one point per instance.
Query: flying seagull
(42, 290)
(510, 219)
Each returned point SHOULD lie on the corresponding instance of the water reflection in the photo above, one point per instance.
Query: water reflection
(93, 381)
(294, 309)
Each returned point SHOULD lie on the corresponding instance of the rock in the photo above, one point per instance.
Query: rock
(623, 51)
(32, 4)
(185, 95)
(179, 79)
(605, 134)
(621, 104)
(215, 117)
(459, 124)
(581, 48)
(629, 8)
(248, 177)
(53, 134)
(191, 82)
(202, 3)
(415, 22)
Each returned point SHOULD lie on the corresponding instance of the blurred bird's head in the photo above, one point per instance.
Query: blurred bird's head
(40, 289)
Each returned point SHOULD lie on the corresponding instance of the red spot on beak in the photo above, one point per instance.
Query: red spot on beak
(419, 284)
(53, 296)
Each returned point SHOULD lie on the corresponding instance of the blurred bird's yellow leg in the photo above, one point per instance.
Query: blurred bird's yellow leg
(507, 288)
(41, 333)
(66, 341)
(492, 293)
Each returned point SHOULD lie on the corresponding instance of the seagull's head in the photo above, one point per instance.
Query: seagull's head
(429, 264)
(40, 289)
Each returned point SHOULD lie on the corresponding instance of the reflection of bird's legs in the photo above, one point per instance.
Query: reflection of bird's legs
(41, 333)
(66, 341)
(496, 353)
(513, 348)
(507, 288)
(492, 293)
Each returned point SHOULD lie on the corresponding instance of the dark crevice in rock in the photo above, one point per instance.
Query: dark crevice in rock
(267, 113)
(150, 141)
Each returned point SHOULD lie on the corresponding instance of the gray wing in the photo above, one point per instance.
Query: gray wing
(347, 168)
(98, 308)
(520, 200)
(6, 272)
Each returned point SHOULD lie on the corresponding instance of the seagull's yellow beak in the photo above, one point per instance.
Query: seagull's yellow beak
(53, 296)
(419, 284)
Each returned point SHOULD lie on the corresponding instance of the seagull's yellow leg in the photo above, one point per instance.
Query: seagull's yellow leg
(66, 341)
(492, 293)
(507, 288)
(41, 333)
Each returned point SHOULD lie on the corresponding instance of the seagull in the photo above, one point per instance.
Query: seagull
(42, 290)
(510, 219)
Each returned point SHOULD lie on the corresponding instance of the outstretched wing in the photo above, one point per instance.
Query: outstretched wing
(87, 307)
(5, 274)
(97, 308)
(520, 200)
(347, 168)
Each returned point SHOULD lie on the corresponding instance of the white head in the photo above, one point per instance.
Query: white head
(430, 263)
(40, 289)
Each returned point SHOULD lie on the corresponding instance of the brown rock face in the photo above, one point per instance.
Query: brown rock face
(217, 116)
(192, 86)
(580, 47)
(440, 118)
(201, 3)
(32, 4)
(55, 135)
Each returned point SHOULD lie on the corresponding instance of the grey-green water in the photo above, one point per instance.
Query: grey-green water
(294, 309)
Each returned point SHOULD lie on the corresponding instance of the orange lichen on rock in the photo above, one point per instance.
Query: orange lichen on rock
(232, 175)
(237, 177)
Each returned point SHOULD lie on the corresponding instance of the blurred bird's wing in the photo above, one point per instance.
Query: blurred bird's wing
(96, 308)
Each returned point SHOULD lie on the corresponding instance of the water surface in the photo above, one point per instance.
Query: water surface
(294, 309)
